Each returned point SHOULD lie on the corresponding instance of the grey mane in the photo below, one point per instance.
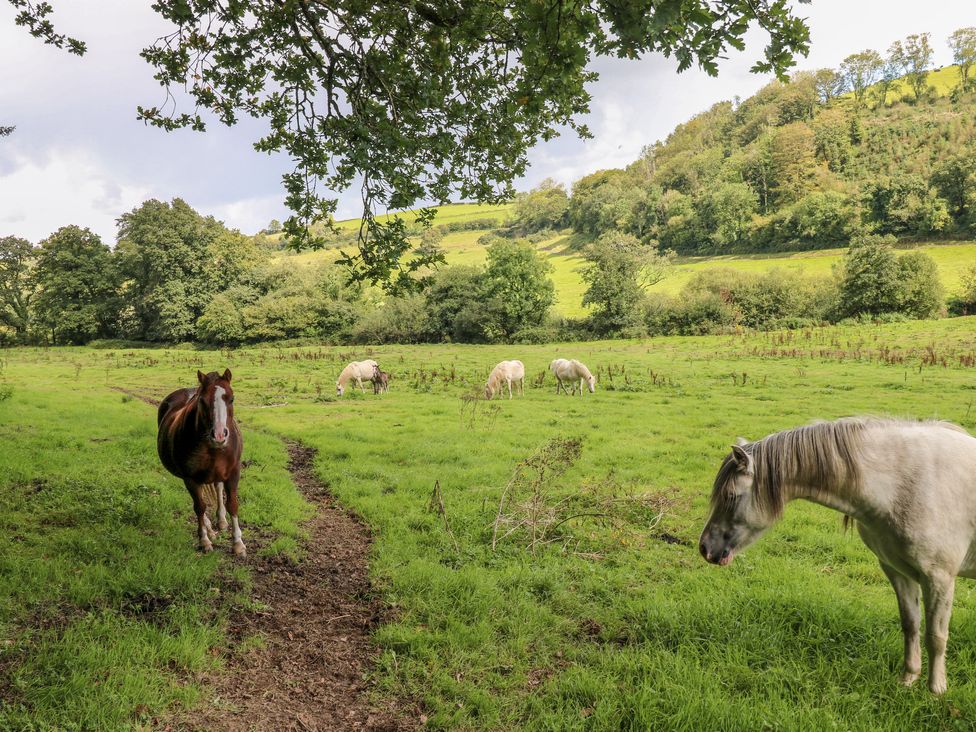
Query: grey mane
(822, 455)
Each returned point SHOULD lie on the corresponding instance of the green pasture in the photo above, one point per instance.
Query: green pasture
(450, 214)
(109, 618)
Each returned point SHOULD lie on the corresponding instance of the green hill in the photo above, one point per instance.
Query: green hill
(781, 179)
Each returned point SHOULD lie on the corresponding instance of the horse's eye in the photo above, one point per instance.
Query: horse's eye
(231, 400)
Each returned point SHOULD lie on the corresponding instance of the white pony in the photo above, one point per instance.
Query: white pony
(567, 370)
(509, 372)
(358, 370)
(909, 486)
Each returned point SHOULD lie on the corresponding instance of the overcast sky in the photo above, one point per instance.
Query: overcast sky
(79, 156)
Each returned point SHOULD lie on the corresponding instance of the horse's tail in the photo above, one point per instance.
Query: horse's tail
(208, 493)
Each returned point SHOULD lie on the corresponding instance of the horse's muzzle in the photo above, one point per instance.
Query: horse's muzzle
(716, 555)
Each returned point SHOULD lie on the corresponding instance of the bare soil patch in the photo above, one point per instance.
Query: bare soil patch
(314, 619)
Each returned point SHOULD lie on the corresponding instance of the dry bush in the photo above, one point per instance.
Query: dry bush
(532, 511)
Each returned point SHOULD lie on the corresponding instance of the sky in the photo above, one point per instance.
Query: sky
(80, 156)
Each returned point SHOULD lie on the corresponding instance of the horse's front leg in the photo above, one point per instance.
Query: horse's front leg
(937, 591)
(231, 483)
(200, 509)
(221, 508)
(509, 388)
(907, 591)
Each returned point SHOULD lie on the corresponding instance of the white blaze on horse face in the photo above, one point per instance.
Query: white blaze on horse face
(220, 431)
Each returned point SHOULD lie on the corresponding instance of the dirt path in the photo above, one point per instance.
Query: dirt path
(315, 622)
(314, 619)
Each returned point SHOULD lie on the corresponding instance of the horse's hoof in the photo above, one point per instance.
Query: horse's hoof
(908, 678)
(239, 549)
(206, 547)
(212, 534)
(222, 525)
(937, 686)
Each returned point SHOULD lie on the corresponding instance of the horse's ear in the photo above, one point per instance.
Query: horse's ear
(741, 441)
(200, 376)
(742, 458)
(226, 376)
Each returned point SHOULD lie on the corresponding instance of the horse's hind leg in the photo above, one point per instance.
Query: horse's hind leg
(221, 507)
(907, 591)
(200, 509)
(937, 591)
(239, 548)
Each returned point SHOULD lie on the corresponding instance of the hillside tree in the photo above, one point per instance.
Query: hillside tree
(963, 45)
(544, 207)
(889, 72)
(861, 71)
(914, 55)
(829, 84)
(418, 101)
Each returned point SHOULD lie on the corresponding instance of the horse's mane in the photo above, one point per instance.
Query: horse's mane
(822, 455)
(581, 369)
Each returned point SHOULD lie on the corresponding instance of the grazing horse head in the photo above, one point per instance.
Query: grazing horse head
(738, 518)
(591, 383)
(215, 406)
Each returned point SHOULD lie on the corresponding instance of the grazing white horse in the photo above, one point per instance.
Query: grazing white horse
(910, 487)
(358, 371)
(508, 372)
(571, 370)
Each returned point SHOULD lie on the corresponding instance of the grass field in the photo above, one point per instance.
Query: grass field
(108, 618)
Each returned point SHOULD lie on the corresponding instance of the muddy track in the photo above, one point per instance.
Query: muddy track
(314, 618)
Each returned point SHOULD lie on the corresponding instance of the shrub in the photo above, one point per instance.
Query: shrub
(921, 290)
(700, 314)
(875, 281)
(397, 320)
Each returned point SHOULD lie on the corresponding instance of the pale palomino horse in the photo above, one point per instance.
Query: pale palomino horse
(506, 372)
(358, 371)
(909, 486)
(572, 371)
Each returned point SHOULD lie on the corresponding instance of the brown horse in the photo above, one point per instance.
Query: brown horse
(199, 441)
(381, 380)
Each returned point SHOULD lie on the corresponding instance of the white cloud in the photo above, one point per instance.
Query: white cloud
(251, 214)
(63, 187)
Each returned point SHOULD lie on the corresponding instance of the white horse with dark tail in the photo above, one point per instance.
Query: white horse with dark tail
(573, 372)
(506, 372)
(910, 487)
(357, 371)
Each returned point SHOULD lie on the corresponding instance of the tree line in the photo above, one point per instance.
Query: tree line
(177, 276)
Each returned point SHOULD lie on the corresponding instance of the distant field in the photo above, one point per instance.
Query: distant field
(453, 213)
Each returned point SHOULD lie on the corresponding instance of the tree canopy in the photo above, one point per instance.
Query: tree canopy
(419, 100)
